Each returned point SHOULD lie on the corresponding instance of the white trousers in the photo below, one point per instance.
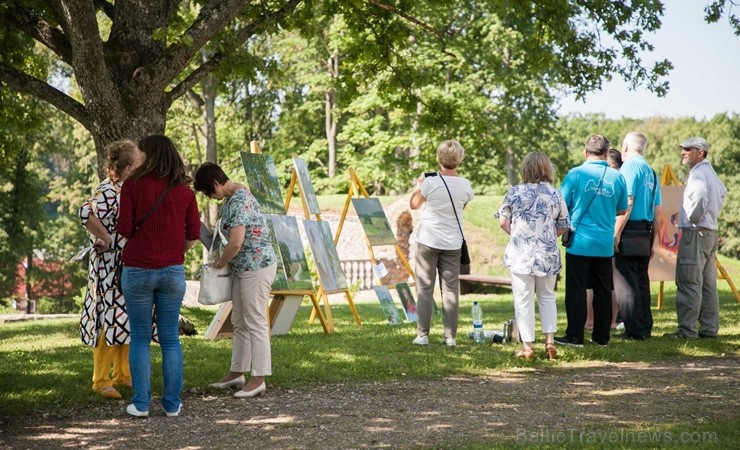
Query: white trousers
(251, 347)
(524, 288)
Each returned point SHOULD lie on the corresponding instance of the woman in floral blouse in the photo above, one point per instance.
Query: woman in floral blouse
(534, 215)
(253, 264)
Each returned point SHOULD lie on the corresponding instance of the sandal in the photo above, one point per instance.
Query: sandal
(527, 355)
(551, 350)
(110, 392)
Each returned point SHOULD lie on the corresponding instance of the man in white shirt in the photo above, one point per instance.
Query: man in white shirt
(697, 299)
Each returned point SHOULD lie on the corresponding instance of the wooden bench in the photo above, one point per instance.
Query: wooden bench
(469, 279)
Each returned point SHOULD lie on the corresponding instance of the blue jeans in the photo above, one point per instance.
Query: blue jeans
(163, 290)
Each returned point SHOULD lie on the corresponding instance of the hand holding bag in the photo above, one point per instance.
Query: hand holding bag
(567, 238)
(215, 284)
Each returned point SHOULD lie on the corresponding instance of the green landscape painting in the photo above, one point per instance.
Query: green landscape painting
(374, 222)
(263, 182)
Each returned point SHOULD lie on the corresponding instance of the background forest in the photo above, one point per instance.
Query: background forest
(363, 84)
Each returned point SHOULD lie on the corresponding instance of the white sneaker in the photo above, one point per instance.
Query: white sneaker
(450, 342)
(421, 340)
(620, 326)
(174, 413)
(131, 409)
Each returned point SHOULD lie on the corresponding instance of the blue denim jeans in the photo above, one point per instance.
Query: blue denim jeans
(163, 290)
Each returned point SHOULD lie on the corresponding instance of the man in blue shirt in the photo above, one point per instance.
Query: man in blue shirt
(595, 195)
(696, 271)
(634, 230)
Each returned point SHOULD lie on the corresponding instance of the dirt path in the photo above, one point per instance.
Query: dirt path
(551, 406)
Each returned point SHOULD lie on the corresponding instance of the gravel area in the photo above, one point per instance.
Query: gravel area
(539, 406)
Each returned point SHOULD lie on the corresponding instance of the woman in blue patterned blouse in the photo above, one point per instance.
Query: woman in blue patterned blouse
(251, 259)
(534, 215)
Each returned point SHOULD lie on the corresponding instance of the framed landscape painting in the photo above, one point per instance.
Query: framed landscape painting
(263, 182)
(390, 312)
(293, 273)
(407, 301)
(325, 255)
(304, 179)
(374, 222)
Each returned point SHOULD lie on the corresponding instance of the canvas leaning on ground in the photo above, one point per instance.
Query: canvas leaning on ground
(387, 305)
(407, 300)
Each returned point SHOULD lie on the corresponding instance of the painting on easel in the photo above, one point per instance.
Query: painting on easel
(407, 300)
(263, 182)
(387, 306)
(304, 179)
(665, 250)
(325, 255)
(293, 273)
(374, 222)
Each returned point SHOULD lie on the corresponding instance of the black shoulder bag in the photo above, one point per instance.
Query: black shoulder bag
(567, 238)
(637, 236)
(464, 256)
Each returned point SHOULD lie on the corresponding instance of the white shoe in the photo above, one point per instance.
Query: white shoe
(253, 393)
(238, 383)
(421, 340)
(131, 409)
(620, 326)
(450, 342)
(174, 413)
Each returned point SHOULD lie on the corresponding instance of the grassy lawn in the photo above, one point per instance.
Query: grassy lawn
(45, 366)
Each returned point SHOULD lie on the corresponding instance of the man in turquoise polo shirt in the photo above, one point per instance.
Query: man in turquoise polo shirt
(595, 194)
(632, 283)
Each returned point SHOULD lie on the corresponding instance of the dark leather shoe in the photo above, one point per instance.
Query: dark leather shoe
(707, 336)
(627, 337)
(677, 335)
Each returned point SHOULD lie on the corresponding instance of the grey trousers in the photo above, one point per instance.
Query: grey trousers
(696, 283)
(429, 263)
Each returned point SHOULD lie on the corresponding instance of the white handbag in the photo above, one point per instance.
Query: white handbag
(215, 284)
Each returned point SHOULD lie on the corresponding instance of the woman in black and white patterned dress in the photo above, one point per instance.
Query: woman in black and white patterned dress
(104, 322)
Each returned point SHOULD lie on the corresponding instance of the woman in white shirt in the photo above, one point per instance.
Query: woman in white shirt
(439, 240)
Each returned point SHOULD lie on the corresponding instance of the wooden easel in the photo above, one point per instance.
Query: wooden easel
(356, 189)
(669, 177)
(220, 326)
(322, 293)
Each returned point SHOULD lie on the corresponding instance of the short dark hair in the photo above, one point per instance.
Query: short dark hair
(597, 145)
(206, 175)
(615, 157)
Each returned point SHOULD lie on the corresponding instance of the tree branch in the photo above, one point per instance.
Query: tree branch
(414, 20)
(88, 56)
(260, 22)
(107, 8)
(24, 83)
(30, 23)
(211, 20)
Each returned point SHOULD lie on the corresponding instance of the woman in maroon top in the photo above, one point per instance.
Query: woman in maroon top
(159, 233)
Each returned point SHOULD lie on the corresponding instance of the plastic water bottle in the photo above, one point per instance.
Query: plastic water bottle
(477, 313)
